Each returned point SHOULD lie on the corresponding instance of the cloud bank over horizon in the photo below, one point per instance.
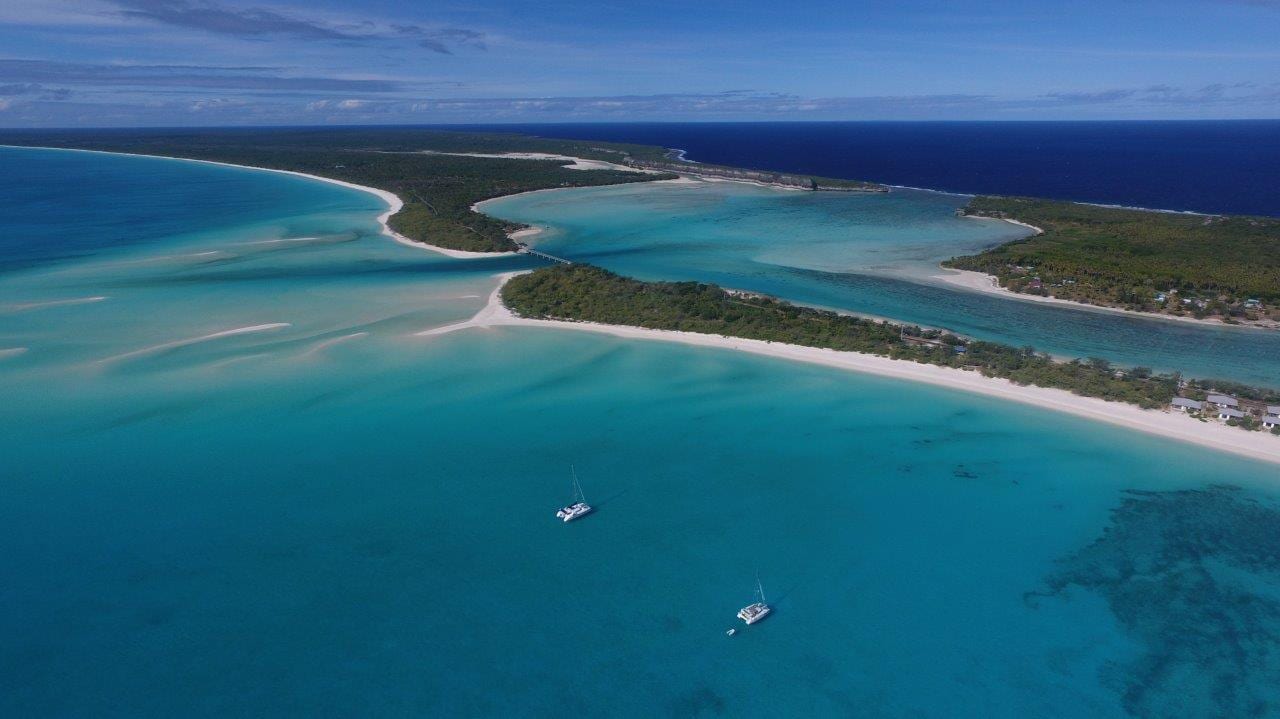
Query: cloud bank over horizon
(71, 63)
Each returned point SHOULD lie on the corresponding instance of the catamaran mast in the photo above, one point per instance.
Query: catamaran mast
(577, 488)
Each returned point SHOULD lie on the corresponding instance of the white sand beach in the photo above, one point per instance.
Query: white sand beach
(982, 282)
(393, 201)
(1177, 426)
(578, 163)
(1173, 425)
(987, 284)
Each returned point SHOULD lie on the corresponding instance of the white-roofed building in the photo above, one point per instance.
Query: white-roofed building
(1225, 413)
(1223, 400)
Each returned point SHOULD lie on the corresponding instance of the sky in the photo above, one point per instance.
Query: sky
(102, 63)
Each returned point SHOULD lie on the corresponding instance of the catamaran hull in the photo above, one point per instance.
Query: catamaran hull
(568, 514)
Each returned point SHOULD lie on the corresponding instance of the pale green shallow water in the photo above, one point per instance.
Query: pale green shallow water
(273, 523)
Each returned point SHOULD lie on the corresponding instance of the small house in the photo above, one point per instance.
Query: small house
(1223, 400)
(1226, 413)
(1182, 404)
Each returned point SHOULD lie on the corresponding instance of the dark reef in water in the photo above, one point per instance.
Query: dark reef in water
(1194, 577)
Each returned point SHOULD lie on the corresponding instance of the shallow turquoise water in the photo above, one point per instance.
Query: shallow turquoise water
(867, 253)
(337, 518)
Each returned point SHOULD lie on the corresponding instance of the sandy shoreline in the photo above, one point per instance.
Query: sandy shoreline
(1035, 230)
(982, 282)
(987, 284)
(393, 201)
(1177, 426)
(578, 163)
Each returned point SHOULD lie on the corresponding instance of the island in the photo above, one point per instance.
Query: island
(433, 181)
(1207, 267)
(438, 176)
(586, 294)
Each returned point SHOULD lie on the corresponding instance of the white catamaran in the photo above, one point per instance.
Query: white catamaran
(578, 507)
(753, 613)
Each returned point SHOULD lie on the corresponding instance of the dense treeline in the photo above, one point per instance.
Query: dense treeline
(1150, 261)
(589, 294)
(438, 190)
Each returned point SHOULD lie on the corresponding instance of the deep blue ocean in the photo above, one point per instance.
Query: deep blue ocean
(1228, 167)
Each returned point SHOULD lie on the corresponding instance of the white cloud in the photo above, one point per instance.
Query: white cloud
(216, 103)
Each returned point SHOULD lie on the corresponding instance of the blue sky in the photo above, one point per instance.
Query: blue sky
(251, 62)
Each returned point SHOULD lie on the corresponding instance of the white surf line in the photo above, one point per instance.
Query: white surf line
(11, 352)
(27, 306)
(1170, 425)
(393, 201)
(195, 340)
(324, 344)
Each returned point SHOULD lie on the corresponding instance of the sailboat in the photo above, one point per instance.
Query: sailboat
(578, 506)
(753, 613)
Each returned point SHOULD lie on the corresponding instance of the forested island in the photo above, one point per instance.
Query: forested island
(584, 293)
(438, 190)
(427, 169)
(1201, 266)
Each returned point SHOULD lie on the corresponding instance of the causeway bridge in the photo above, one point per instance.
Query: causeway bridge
(527, 250)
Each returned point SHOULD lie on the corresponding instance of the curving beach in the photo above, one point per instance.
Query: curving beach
(394, 203)
(1254, 445)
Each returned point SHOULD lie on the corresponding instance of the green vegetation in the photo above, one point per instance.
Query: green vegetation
(438, 190)
(1179, 264)
(1198, 389)
(589, 294)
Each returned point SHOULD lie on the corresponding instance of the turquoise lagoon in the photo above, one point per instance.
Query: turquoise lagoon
(872, 254)
(324, 515)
